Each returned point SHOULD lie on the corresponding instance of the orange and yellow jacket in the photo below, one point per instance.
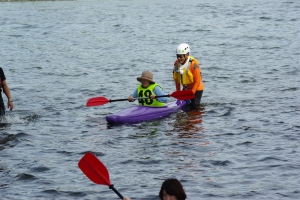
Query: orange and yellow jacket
(191, 78)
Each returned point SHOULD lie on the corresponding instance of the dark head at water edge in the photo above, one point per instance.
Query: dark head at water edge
(171, 189)
(187, 74)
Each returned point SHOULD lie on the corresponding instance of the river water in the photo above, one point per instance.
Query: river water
(242, 144)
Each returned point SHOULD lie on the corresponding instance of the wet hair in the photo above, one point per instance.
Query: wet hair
(172, 187)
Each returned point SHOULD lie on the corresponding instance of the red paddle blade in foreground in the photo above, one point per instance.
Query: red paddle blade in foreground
(94, 169)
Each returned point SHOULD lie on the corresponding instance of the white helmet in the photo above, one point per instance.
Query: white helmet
(183, 49)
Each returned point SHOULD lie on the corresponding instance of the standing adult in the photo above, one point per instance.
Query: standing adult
(4, 87)
(187, 73)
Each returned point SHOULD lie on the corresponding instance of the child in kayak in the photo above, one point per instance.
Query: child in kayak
(171, 189)
(148, 90)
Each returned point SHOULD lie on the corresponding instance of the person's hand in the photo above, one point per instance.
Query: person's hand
(152, 96)
(130, 99)
(126, 198)
(10, 105)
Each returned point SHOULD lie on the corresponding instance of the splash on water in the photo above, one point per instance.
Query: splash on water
(17, 119)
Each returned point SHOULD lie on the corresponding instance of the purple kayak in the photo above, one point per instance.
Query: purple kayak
(136, 114)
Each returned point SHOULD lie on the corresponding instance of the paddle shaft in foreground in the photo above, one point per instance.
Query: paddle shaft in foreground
(116, 191)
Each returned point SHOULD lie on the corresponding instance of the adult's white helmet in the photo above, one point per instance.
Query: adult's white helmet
(183, 49)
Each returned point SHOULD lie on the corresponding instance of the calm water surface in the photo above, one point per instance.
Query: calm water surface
(243, 144)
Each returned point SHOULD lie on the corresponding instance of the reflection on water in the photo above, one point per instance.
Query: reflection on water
(15, 118)
(188, 127)
(189, 124)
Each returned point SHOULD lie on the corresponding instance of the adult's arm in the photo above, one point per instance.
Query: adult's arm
(197, 78)
(177, 85)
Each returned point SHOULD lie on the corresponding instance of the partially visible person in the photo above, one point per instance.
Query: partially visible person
(148, 88)
(171, 189)
(4, 87)
(187, 74)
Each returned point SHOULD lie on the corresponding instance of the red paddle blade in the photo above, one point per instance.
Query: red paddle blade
(183, 95)
(97, 101)
(94, 169)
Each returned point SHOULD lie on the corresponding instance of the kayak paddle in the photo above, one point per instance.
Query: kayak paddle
(94, 169)
(181, 95)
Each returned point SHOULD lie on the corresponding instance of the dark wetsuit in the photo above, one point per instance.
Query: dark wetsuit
(2, 78)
